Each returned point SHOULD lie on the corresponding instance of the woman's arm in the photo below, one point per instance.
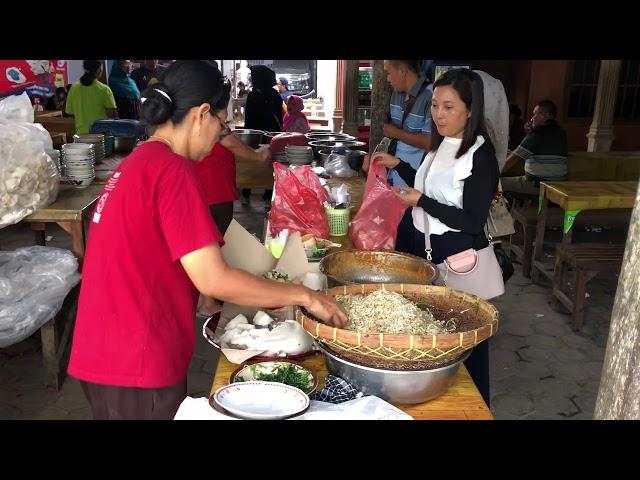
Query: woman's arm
(214, 278)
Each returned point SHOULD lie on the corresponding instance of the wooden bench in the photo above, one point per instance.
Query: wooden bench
(525, 220)
(586, 260)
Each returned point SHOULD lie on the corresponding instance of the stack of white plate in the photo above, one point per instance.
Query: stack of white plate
(298, 155)
(78, 160)
(95, 139)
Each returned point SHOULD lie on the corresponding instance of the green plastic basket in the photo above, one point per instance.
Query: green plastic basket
(338, 221)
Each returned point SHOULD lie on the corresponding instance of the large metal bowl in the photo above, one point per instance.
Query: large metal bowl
(340, 137)
(328, 136)
(318, 145)
(249, 137)
(403, 387)
(347, 267)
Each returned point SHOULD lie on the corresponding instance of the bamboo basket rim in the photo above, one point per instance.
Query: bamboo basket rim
(463, 339)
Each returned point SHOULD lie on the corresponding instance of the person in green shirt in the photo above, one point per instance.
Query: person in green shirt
(89, 99)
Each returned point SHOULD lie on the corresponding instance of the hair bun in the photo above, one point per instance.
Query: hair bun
(157, 106)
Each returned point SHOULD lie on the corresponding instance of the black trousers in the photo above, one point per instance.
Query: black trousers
(411, 240)
(109, 402)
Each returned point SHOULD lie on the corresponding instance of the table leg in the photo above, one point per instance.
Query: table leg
(538, 247)
(40, 232)
(76, 230)
(567, 226)
(55, 351)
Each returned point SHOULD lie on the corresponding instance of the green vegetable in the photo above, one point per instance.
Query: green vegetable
(286, 373)
(276, 275)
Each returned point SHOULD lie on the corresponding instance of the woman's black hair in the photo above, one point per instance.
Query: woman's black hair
(185, 84)
(514, 109)
(468, 84)
(91, 69)
(225, 97)
(414, 65)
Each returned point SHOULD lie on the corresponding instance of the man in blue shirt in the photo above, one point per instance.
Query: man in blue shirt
(409, 127)
(409, 112)
(283, 88)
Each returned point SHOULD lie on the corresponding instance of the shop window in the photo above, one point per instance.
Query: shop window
(628, 96)
(583, 88)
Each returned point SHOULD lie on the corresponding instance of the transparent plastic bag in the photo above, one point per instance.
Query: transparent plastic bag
(29, 178)
(376, 223)
(337, 165)
(34, 282)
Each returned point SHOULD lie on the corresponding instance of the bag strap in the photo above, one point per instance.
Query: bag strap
(410, 102)
(427, 234)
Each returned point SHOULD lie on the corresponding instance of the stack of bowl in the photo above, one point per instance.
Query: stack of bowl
(298, 155)
(78, 160)
(95, 139)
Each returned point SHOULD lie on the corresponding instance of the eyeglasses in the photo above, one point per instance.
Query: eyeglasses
(224, 124)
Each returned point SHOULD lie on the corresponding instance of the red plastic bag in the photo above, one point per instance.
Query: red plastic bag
(375, 225)
(298, 203)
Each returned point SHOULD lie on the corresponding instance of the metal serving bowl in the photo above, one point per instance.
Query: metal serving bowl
(346, 267)
(318, 145)
(328, 136)
(404, 387)
(268, 136)
(249, 137)
(340, 137)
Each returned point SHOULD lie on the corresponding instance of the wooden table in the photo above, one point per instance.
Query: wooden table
(573, 197)
(70, 210)
(462, 401)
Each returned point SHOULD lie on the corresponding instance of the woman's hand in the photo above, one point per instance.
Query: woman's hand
(327, 310)
(408, 196)
(385, 160)
(264, 154)
(365, 163)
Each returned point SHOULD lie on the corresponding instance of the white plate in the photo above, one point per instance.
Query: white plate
(261, 400)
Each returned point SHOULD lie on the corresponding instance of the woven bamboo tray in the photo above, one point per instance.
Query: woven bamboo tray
(478, 320)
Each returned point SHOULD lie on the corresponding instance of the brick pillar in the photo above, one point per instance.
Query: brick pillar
(338, 112)
(350, 106)
(380, 96)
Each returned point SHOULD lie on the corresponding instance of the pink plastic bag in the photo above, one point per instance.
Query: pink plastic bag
(376, 223)
(298, 203)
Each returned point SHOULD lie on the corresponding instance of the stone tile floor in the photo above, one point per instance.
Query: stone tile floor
(540, 368)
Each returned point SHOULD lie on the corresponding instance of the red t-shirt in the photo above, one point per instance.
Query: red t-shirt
(136, 312)
(217, 173)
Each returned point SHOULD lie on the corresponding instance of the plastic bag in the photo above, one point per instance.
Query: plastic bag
(375, 225)
(298, 204)
(34, 282)
(29, 178)
(17, 109)
(338, 166)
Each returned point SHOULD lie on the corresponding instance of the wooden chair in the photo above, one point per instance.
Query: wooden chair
(586, 260)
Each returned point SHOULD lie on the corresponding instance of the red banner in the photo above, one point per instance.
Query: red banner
(37, 77)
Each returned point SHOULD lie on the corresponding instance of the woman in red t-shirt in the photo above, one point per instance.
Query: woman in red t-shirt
(153, 246)
(217, 173)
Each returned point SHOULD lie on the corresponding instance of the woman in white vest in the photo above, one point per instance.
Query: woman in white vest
(454, 185)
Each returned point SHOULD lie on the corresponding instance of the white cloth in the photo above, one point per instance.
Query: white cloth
(496, 114)
(445, 181)
(365, 408)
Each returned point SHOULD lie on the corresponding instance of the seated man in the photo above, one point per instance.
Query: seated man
(543, 151)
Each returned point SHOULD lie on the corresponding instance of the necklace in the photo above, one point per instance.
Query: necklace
(162, 139)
